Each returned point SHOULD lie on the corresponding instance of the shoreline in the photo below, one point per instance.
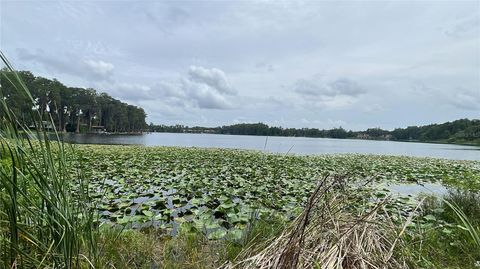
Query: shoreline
(347, 138)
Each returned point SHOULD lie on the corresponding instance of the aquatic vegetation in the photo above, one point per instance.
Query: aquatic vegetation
(204, 194)
(217, 190)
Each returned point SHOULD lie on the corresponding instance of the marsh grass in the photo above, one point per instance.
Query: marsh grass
(449, 239)
(152, 248)
(45, 223)
(328, 235)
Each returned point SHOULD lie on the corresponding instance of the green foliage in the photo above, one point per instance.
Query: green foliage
(129, 248)
(219, 189)
(44, 223)
(255, 129)
(459, 131)
(150, 248)
(258, 231)
(70, 109)
(446, 233)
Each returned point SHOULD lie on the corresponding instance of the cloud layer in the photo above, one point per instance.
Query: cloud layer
(201, 88)
(290, 63)
(68, 64)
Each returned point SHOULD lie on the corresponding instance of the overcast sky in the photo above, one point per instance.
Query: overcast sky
(316, 64)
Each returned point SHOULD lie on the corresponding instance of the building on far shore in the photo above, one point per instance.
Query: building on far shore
(369, 137)
(98, 129)
(44, 125)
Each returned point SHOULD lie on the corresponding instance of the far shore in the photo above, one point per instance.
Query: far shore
(463, 143)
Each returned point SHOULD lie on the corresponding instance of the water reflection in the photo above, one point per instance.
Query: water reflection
(416, 189)
(292, 145)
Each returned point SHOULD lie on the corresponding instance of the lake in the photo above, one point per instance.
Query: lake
(291, 145)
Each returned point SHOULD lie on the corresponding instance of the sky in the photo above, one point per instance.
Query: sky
(317, 64)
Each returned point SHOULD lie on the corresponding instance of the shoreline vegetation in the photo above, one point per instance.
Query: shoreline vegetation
(92, 206)
(69, 109)
(462, 131)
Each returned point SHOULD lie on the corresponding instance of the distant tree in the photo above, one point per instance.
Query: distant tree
(463, 130)
(70, 108)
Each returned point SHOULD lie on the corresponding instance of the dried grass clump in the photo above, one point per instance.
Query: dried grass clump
(328, 234)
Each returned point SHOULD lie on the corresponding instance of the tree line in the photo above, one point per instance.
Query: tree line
(256, 129)
(458, 131)
(71, 109)
(463, 130)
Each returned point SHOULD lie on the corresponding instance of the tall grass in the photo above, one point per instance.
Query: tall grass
(46, 220)
(462, 203)
(447, 232)
(327, 235)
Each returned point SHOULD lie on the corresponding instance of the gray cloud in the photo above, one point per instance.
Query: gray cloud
(345, 87)
(166, 18)
(320, 88)
(202, 88)
(69, 64)
(463, 26)
(166, 89)
(141, 52)
(327, 94)
(99, 68)
(373, 108)
(466, 99)
(205, 96)
(265, 66)
(131, 92)
(214, 78)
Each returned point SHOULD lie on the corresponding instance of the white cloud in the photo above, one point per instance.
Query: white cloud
(68, 64)
(214, 78)
(466, 99)
(321, 93)
(373, 108)
(205, 96)
(321, 88)
(266, 56)
(101, 68)
(463, 26)
(201, 88)
(131, 92)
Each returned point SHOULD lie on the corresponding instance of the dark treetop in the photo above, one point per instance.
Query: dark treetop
(71, 109)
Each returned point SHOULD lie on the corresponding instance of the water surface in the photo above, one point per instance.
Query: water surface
(292, 145)
(416, 189)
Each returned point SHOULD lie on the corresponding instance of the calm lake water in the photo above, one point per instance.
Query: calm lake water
(292, 145)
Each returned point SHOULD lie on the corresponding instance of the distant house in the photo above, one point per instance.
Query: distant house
(369, 137)
(363, 136)
(98, 129)
(45, 125)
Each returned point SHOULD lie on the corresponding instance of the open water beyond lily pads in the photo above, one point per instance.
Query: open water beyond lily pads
(290, 145)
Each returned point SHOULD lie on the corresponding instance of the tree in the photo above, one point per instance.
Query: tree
(71, 108)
